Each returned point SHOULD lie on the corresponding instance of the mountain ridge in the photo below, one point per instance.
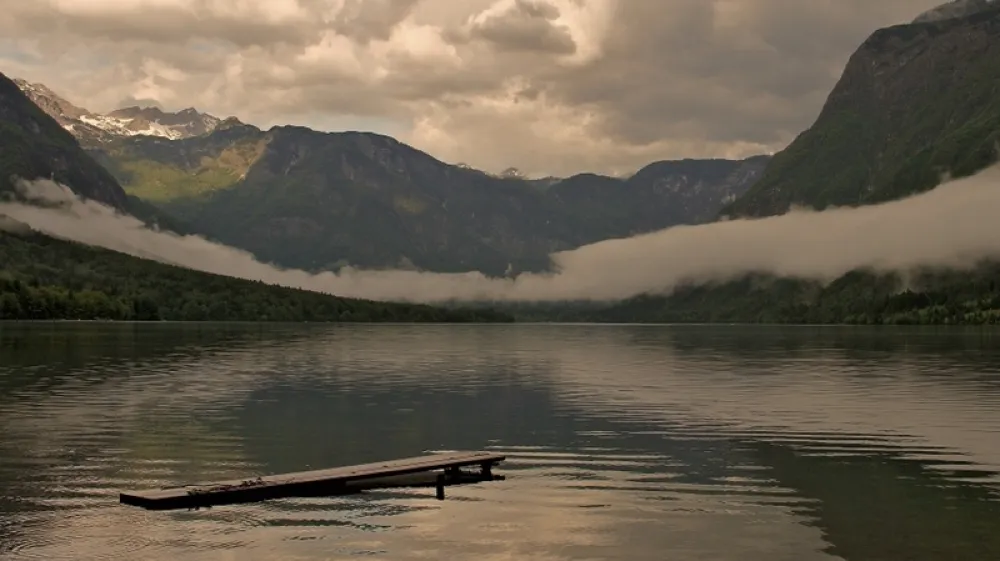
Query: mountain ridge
(916, 103)
(955, 9)
(94, 129)
(46, 278)
(280, 192)
(375, 182)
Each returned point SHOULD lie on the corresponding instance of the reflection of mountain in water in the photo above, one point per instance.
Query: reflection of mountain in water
(652, 437)
(884, 506)
(45, 353)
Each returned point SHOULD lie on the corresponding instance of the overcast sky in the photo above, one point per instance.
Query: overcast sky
(549, 86)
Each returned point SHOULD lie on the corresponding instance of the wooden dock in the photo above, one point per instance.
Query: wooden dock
(437, 470)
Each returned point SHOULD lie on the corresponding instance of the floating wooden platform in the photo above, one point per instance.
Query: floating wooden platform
(409, 472)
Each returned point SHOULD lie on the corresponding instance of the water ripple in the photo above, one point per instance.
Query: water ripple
(622, 442)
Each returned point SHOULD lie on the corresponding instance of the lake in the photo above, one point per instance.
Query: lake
(623, 442)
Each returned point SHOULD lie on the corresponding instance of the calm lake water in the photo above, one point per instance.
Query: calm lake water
(623, 442)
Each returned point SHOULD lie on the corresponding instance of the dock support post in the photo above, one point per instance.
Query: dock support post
(487, 468)
(440, 487)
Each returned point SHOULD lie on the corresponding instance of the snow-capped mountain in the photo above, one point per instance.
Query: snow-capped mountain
(94, 129)
(955, 9)
(185, 123)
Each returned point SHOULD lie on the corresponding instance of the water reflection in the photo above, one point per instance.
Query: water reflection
(624, 442)
(883, 506)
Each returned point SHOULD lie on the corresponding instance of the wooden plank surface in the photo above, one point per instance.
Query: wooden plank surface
(274, 486)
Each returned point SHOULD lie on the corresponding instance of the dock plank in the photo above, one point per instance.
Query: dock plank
(305, 483)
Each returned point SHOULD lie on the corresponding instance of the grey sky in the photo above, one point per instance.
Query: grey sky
(550, 86)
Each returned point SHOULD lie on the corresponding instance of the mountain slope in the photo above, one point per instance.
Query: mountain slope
(33, 145)
(160, 171)
(307, 199)
(45, 278)
(955, 9)
(915, 102)
(662, 194)
(319, 200)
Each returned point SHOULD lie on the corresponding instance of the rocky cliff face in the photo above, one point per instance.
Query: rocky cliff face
(915, 102)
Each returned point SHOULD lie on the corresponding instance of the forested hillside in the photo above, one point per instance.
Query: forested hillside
(927, 298)
(44, 278)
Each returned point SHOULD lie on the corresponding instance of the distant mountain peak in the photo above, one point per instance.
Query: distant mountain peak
(512, 173)
(95, 129)
(229, 122)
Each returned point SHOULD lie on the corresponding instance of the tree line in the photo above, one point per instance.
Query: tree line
(922, 297)
(47, 279)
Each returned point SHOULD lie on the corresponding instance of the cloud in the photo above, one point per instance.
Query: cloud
(952, 226)
(522, 26)
(548, 86)
(372, 19)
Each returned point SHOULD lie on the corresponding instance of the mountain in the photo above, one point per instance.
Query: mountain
(49, 101)
(46, 278)
(33, 145)
(182, 124)
(662, 193)
(307, 199)
(95, 129)
(956, 9)
(915, 102)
